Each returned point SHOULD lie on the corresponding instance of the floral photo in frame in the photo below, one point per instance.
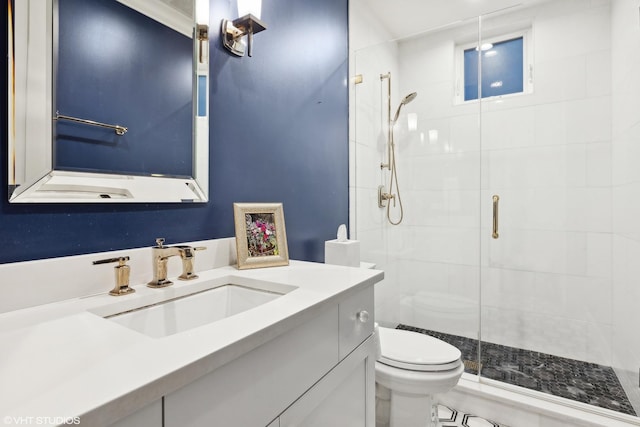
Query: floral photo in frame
(261, 238)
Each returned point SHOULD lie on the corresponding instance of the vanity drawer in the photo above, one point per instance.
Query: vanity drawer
(356, 320)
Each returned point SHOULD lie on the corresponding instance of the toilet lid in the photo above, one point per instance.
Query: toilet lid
(417, 352)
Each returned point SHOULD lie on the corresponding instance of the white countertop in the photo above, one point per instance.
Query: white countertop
(61, 360)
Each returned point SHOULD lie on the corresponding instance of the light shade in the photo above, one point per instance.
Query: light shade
(253, 7)
(202, 12)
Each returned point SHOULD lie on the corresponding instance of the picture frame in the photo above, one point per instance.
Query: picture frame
(261, 237)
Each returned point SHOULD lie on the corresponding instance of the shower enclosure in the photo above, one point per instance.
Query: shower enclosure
(538, 105)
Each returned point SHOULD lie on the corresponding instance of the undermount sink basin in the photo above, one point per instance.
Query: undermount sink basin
(186, 312)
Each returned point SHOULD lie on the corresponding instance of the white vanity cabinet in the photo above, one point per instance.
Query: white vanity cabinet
(345, 395)
(319, 373)
(149, 416)
(341, 398)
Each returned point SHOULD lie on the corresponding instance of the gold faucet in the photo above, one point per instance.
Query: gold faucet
(122, 275)
(160, 255)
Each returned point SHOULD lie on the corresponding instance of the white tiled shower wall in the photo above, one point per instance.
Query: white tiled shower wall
(548, 282)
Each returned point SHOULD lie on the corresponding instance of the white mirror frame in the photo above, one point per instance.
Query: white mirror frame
(31, 177)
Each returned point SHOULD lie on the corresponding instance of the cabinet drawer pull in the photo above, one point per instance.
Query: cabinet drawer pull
(363, 316)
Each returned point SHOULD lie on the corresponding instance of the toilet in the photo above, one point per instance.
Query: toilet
(411, 370)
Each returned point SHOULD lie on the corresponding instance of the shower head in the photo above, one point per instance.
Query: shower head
(407, 99)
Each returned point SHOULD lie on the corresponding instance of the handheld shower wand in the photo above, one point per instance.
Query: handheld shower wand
(407, 99)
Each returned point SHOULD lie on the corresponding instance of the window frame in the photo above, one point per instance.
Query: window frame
(527, 65)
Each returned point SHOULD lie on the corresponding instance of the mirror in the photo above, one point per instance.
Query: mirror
(108, 101)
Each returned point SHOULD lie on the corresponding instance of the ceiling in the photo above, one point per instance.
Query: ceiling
(405, 18)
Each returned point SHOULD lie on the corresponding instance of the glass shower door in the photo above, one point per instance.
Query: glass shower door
(549, 291)
(431, 258)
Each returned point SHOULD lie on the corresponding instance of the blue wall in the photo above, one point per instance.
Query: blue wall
(279, 133)
(125, 83)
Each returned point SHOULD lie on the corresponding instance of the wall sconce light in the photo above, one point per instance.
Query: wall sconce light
(248, 24)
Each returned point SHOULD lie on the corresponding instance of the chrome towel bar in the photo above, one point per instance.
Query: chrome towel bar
(120, 130)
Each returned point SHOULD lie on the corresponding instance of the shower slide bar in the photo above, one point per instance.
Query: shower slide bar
(120, 130)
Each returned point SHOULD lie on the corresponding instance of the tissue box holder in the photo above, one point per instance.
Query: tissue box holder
(342, 253)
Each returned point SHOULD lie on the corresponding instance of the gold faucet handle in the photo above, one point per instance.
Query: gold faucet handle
(122, 275)
(188, 257)
(121, 260)
(187, 252)
(160, 242)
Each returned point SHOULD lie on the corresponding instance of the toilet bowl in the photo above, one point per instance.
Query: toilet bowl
(411, 370)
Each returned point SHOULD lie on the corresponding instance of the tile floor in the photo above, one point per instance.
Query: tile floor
(452, 418)
(573, 379)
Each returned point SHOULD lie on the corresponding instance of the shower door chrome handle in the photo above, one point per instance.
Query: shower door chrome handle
(496, 199)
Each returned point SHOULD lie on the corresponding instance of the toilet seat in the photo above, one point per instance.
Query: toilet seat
(416, 352)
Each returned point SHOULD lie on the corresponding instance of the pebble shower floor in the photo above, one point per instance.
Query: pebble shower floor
(573, 379)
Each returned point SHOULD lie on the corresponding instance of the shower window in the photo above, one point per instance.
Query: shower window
(504, 68)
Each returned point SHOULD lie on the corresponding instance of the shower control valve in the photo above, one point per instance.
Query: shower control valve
(383, 197)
